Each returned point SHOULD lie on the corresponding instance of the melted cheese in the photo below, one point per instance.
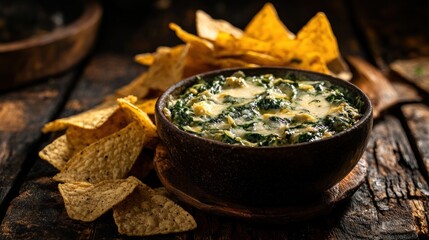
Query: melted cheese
(246, 91)
(263, 112)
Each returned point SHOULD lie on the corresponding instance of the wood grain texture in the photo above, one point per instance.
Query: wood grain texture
(22, 114)
(392, 204)
(417, 118)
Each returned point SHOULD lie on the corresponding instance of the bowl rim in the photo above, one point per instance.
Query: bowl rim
(366, 115)
(91, 13)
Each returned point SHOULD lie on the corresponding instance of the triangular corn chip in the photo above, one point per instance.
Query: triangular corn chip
(168, 67)
(136, 114)
(267, 26)
(58, 152)
(145, 213)
(108, 158)
(82, 137)
(86, 202)
(317, 36)
(208, 28)
(195, 42)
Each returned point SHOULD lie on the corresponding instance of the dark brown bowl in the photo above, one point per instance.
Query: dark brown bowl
(266, 176)
(30, 58)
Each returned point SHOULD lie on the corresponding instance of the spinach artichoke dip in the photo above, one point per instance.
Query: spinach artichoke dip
(262, 110)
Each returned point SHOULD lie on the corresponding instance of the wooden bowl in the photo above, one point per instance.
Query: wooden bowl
(266, 176)
(24, 61)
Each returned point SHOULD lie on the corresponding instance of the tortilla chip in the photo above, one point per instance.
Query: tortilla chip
(148, 106)
(81, 137)
(145, 213)
(136, 114)
(108, 158)
(86, 202)
(261, 59)
(90, 119)
(208, 28)
(145, 58)
(196, 63)
(309, 61)
(228, 41)
(58, 152)
(317, 36)
(267, 26)
(197, 43)
(167, 68)
(232, 63)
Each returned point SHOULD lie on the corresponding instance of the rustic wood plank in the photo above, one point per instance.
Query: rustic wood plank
(22, 113)
(417, 118)
(38, 211)
(391, 205)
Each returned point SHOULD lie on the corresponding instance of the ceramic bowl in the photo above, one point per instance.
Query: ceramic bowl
(266, 176)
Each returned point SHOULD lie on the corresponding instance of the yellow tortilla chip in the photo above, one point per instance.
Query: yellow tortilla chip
(227, 41)
(148, 106)
(108, 158)
(267, 26)
(58, 152)
(90, 119)
(145, 213)
(86, 202)
(145, 58)
(167, 68)
(309, 61)
(136, 88)
(136, 114)
(81, 137)
(196, 63)
(317, 36)
(231, 63)
(197, 43)
(261, 59)
(208, 28)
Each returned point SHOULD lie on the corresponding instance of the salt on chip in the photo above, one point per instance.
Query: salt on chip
(58, 152)
(317, 36)
(208, 28)
(267, 26)
(167, 68)
(145, 213)
(108, 158)
(135, 113)
(86, 202)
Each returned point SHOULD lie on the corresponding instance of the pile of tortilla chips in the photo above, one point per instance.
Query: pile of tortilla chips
(101, 147)
(265, 41)
(95, 157)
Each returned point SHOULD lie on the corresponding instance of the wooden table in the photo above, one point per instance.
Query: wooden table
(393, 202)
